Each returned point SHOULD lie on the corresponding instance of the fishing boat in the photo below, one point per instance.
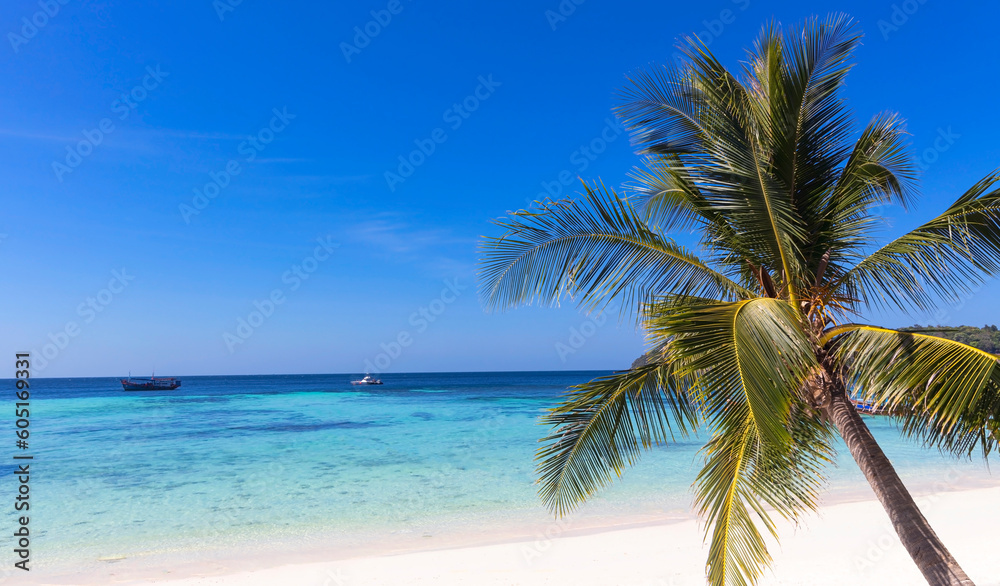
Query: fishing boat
(367, 380)
(149, 384)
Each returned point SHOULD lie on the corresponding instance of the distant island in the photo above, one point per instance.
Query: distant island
(644, 359)
(986, 338)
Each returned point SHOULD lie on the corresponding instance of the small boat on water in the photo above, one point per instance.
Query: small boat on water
(869, 408)
(367, 380)
(150, 384)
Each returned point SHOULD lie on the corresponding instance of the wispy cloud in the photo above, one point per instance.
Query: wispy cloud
(396, 237)
(34, 135)
(281, 160)
(197, 134)
(64, 135)
(345, 179)
(390, 236)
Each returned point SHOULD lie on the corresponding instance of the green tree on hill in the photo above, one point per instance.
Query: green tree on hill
(986, 338)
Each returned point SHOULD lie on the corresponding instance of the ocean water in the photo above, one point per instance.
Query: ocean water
(257, 463)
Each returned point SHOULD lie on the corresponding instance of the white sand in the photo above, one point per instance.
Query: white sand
(846, 544)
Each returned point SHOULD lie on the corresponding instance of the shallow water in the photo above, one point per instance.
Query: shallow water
(247, 462)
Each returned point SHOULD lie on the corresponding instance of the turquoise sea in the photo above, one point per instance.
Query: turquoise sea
(254, 465)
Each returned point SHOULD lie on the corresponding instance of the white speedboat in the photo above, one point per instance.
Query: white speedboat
(368, 380)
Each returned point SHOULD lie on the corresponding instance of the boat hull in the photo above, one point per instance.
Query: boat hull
(159, 385)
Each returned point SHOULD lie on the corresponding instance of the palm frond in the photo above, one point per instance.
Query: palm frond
(796, 78)
(946, 392)
(879, 171)
(743, 477)
(664, 108)
(947, 256)
(720, 140)
(597, 248)
(602, 426)
(669, 197)
(743, 182)
(749, 359)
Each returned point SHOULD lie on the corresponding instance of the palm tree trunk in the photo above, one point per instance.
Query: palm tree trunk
(924, 546)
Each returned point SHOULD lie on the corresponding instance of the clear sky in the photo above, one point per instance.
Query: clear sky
(236, 150)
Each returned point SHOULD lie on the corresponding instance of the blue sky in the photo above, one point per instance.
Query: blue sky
(291, 120)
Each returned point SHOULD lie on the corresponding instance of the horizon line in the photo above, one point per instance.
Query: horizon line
(339, 373)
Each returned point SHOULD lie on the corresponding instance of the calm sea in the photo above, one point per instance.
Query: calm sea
(253, 463)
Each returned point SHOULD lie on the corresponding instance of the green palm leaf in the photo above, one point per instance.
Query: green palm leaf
(597, 248)
(751, 158)
(602, 426)
(750, 358)
(806, 126)
(946, 392)
(670, 199)
(947, 256)
(879, 170)
(743, 477)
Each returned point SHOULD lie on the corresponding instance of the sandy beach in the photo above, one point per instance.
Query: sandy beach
(847, 543)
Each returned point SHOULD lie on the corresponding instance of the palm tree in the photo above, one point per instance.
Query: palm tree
(754, 338)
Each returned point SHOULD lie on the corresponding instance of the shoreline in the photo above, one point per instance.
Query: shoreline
(528, 554)
(857, 546)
